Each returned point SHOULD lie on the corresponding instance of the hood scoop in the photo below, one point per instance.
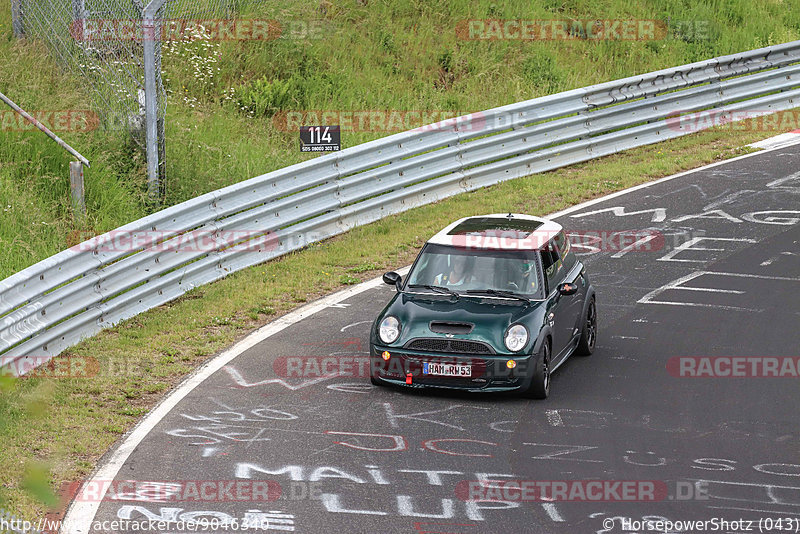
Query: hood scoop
(449, 327)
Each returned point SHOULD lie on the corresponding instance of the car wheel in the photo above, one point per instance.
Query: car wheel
(373, 376)
(539, 387)
(589, 331)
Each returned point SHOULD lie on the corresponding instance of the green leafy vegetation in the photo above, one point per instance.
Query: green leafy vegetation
(224, 98)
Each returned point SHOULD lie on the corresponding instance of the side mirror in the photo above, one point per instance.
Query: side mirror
(393, 279)
(567, 289)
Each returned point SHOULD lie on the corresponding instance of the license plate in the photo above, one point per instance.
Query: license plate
(446, 369)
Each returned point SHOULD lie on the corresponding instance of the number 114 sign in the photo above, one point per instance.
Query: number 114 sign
(320, 139)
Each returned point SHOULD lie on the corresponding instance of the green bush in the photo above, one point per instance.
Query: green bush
(265, 97)
(541, 69)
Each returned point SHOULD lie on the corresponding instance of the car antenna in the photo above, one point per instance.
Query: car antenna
(510, 215)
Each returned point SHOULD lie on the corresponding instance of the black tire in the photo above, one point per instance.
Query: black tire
(589, 331)
(539, 387)
(376, 381)
(373, 373)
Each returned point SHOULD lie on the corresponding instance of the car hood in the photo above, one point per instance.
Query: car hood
(491, 317)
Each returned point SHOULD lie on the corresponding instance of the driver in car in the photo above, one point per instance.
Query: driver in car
(460, 272)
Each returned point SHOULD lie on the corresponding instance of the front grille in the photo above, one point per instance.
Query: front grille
(453, 346)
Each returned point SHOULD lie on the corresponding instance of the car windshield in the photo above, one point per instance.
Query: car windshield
(469, 270)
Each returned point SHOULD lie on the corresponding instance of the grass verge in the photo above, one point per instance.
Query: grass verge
(388, 55)
(142, 358)
(368, 55)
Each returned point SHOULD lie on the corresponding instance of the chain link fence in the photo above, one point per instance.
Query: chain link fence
(115, 46)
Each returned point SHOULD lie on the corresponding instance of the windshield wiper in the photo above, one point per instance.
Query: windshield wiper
(499, 293)
(438, 289)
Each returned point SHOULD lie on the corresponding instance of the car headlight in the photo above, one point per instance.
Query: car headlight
(389, 330)
(516, 338)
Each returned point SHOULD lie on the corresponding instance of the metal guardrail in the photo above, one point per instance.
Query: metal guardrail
(54, 304)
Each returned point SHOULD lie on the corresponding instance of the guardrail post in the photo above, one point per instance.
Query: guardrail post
(16, 19)
(77, 189)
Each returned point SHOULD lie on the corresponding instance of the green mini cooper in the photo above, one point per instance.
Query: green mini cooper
(492, 303)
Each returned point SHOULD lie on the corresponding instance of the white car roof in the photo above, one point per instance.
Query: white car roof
(498, 231)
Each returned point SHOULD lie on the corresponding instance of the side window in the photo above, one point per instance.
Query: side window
(552, 265)
(568, 258)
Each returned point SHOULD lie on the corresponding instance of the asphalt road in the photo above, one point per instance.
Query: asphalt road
(349, 457)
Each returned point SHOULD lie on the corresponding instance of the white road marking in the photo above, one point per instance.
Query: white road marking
(776, 257)
(353, 324)
(777, 512)
(779, 141)
(553, 418)
(678, 284)
(710, 290)
(569, 449)
(726, 199)
(393, 417)
(762, 276)
(584, 205)
(634, 246)
(351, 388)
(494, 426)
(241, 382)
(688, 245)
(80, 515)
(778, 184)
(552, 512)
(659, 214)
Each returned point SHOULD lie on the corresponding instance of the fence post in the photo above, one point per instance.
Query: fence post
(78, 17)
(16, 19)
(77, 189)
(151, 96)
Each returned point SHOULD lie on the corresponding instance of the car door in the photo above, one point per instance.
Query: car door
(553, 274)
(571, 306)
